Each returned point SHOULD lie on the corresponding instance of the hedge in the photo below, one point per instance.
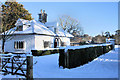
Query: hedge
(44, 52)
(74, 58)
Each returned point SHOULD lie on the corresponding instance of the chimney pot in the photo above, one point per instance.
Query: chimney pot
(43, 16)
(41, 10)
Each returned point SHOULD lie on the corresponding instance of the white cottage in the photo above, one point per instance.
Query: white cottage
(36, 35)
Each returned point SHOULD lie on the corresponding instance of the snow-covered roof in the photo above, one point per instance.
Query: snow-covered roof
(60, 31)
(22, 21)
(37, 27)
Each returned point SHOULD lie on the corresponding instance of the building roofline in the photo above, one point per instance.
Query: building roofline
(37, 34)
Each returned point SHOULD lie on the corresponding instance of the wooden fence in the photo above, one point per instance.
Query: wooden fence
(18, 65)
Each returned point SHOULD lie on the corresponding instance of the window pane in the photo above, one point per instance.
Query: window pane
(46, 44)
(15, 45)
(21, 44)
(20, 28)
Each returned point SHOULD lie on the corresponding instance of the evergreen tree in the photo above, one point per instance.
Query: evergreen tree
(11, 12)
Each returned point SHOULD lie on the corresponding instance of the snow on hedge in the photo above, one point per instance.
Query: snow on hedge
(83, 46)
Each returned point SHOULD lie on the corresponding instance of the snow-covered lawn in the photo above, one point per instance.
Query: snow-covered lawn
(105, 66)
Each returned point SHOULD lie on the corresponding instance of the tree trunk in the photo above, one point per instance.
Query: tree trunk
(3, 43)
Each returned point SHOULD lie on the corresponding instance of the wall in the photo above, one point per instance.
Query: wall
(29, 43)
(25, 27)
(32, 42)
(39, 41)
(40, 38)
(66, 40)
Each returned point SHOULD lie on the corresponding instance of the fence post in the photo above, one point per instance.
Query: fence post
(29, 68)
(12, 65)
(0, 62)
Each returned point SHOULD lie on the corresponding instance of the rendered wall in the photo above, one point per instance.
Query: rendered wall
(66, 40)
(39, 41)
(29, 44)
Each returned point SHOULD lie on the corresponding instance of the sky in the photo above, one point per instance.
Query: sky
(63, 0)
(94, 17)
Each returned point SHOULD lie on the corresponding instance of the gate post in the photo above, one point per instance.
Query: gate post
(0, 62)
(12, 65)
(29, 68)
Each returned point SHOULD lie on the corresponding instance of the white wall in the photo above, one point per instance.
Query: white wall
(25, 27)
(32, 42)
(29, 43)
(39, 44)
(66, 40)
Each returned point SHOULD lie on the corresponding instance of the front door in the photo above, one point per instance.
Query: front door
(55, 43)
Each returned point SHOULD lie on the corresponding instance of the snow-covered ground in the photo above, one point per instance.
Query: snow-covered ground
(105, 66)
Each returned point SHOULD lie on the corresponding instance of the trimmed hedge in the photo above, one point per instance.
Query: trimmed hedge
(62, 58)
(74, 58)
(45, 52)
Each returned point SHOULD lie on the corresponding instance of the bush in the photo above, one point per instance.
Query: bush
(44, 52)
(78, 57)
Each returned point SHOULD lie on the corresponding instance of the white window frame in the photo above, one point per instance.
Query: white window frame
(19, 44)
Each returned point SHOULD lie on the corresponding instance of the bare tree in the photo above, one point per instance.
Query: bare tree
(107, 34)
(99, 39)
(70, 25)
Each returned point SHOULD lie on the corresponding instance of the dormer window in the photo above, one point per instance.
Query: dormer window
(20, 28)
(29, 25)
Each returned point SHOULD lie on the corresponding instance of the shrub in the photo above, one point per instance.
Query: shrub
(74, 58)
(45, 52)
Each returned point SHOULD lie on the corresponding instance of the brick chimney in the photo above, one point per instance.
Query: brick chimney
(42, 16)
